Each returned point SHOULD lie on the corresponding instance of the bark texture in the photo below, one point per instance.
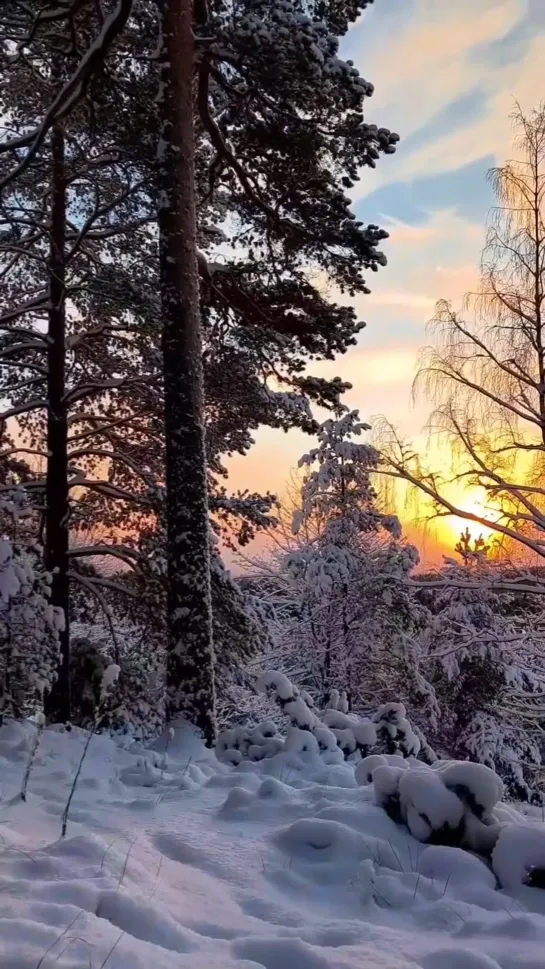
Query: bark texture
(190, 664)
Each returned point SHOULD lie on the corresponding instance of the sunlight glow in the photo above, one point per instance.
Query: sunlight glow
(473, 501)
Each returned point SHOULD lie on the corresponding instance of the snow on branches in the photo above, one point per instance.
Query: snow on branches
(334, 734)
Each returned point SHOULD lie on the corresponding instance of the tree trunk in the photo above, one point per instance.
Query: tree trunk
(57, 497)
(190, 659)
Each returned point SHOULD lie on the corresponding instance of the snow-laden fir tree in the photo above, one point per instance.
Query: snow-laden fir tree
(353, 618)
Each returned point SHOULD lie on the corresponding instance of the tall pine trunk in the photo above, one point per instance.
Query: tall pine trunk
(57, 496)
(190, 659)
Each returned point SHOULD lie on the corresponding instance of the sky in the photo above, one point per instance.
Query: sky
(446, 76)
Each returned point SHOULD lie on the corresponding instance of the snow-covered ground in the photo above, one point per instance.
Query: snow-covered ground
(195, 865)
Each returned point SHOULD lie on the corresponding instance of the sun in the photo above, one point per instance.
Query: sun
(472, 501)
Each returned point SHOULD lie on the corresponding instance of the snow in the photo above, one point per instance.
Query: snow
(282, 863)
(482, 785)
(519, 852)
(423, 792)
(109, 678)
(366, 766)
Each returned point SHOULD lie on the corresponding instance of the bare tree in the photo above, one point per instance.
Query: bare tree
(485, 370)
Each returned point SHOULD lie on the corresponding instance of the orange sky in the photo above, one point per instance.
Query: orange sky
(445, 78)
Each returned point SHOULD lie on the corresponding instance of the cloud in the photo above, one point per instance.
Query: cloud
(513, 45)
(403, 298)
(388, 367)
(435, 260)
(464, 190)
(447, 81)
(468, 107)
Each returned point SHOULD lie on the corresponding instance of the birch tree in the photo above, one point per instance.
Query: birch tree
(485, 370)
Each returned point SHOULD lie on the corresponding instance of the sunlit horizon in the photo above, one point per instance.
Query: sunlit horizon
(433, 198)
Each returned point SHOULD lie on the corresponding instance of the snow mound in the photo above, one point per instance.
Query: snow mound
(459, 959)
(478, 786)
(449, 803)
(518, 857)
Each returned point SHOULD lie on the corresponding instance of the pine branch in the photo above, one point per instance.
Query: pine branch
(71, 92)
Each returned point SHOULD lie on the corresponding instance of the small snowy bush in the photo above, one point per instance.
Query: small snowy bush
(518, 857)
(394, 731)
(138, 648)
(333, 733)
(449, 803)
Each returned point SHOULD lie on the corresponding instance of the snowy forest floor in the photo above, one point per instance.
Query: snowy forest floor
(195, 865)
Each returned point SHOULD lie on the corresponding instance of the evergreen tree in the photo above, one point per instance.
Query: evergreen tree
(341, 562)
(280, 136)
(65, 197)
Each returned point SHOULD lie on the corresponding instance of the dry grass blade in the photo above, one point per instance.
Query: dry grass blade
(112, 950)
(58, 939)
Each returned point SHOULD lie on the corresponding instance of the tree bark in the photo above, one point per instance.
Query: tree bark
(57, 495)
(190, 656)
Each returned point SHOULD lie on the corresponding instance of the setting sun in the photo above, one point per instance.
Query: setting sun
(472, 501)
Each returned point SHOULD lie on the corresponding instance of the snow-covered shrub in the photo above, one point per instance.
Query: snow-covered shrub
(449, 803)
(137, 697)
(394, 731)
(485, 664)
(29, 625)
(130, 634)
(518, 857)
(333, 733)
(87, 665)
(241, 743)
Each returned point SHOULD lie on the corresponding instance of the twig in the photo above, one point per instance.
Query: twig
(40, 723)
(116, 943)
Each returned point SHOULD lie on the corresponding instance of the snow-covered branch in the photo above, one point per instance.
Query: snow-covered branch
(71, 92)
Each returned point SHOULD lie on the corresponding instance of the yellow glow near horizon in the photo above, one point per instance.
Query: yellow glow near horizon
(472, 501)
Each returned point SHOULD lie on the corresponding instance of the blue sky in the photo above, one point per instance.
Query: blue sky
(446, 76)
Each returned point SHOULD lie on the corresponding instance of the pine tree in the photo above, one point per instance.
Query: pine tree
(190, 662)
(63, 202)
(280, 136)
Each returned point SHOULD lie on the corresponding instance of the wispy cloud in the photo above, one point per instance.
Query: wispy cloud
(447, 81)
